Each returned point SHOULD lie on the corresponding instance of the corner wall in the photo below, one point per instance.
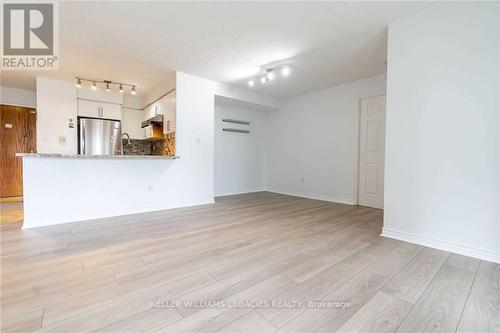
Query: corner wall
(442, 139)
(240, 158)
(56, 104)
(313, 144)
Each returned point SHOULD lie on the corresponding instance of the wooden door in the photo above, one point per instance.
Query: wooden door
(17, 135)
(372, 152)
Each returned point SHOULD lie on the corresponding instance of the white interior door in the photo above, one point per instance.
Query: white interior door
(371, 152)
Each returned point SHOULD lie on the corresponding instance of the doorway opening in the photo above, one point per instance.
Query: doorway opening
(17, 135)
(371, 152)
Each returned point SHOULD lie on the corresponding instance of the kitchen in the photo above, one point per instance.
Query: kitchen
(85, 126)
(108, 128)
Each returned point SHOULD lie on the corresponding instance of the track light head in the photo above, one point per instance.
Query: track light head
(94, 86)
(78, 83)
(121, 88)
(285, 71)
(270, 73)
(133, 92)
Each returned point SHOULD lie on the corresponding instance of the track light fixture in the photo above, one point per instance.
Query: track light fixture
(108, 84)
(269, 74)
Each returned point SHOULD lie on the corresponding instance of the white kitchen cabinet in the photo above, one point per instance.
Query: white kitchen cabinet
(99, 110)
(88, 109)
(169, 115)
(131, 123)
(152, 110)
(112, 111)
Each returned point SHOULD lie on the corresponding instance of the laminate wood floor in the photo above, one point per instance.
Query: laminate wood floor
(11, 210)
(259, 262)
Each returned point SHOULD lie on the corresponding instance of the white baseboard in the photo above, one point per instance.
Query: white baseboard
(240, 191)
(315, 196)
(482, 254)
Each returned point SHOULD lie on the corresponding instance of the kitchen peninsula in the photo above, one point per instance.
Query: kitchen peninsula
(69, 182)
(61, 186)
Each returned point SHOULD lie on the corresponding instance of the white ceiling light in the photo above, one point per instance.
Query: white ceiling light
(269, 74)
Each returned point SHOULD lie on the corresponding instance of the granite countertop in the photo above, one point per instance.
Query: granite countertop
(114, 157)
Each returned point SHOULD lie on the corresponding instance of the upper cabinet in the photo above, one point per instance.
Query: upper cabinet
(169, 115)
(99, 110)
(165, 106)
(152, 110)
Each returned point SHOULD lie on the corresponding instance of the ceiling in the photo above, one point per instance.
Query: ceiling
(326, 43)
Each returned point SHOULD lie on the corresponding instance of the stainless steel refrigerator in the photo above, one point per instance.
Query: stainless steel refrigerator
(99, 136)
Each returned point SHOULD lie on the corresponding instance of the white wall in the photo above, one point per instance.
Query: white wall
(131, 123)
(442, 145)
(55, 188)
(260, 101)
(131, 102)
(18, 97)
(315, 138)
(240, 159)
(132, 117)
(56, 105)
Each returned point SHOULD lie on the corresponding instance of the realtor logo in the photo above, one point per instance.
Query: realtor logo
(29, 36)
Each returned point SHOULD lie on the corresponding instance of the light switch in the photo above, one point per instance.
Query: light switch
(62, 140)
(8, 125)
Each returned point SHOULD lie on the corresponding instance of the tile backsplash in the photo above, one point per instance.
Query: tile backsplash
(137, 147)
(164, 146)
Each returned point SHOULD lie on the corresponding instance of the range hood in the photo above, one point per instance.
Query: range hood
(158, 119)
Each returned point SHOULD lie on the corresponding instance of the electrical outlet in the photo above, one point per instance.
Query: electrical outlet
(62, 140)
